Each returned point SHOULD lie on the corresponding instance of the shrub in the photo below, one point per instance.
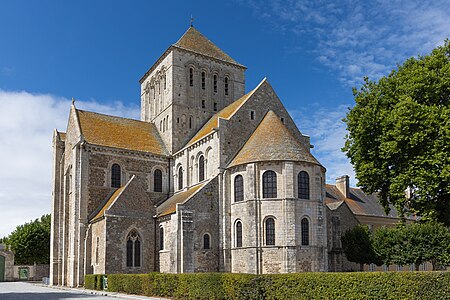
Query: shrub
(370, 285)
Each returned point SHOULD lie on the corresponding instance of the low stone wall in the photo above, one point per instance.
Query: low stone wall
(30, 272)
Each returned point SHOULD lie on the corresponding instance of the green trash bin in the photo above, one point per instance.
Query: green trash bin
(105, 283)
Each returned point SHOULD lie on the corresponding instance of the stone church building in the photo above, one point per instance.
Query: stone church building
(212, 179)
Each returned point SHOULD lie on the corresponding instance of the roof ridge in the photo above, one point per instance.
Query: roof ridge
(119, 117)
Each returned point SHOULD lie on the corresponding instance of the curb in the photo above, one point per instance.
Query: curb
(103, 293)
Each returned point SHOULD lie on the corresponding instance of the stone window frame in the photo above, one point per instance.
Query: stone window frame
(303, 188)
(266, 233)
(197, 166)
(161, 238)
(226, 85)
(203, 79)
(234, 188)
(109, 173)
(133, 250)
(303, 240)
(180, 181)
(269, 192)
(238, 242)
(191, 75)
(206, 234)
(154, 170)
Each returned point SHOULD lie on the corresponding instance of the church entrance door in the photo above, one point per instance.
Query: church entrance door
(2, 268)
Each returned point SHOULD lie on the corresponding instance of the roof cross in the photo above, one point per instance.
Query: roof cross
(192, 21)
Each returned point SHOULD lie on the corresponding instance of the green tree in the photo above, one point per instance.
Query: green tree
(399, 136)
(384, 241)
(357, 246)
(31, 242)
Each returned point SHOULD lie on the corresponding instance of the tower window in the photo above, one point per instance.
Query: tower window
(305, 232)
(238, 234)
(206, 241)
(157, 181)
(226, 85)
(133, 249)
(303, 185)
(282, 120)
(269, 184)
(164, 79)
(180, 178)
(203, 80)
(215, 106)
(238, 188)
(191, 77)
(201, 168)
(252, 115)
(203, 104)
(270, 232)
(215, 83)
(190, 122)
(115, 176)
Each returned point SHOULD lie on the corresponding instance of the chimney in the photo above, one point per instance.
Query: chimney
(343, 185)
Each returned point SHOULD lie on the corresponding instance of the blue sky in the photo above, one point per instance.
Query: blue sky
(312, 52)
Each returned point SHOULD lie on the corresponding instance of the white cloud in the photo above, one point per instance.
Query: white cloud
(327, 132)
(27, 122)
(360, 38)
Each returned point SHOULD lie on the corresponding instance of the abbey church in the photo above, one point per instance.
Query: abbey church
(211, 179)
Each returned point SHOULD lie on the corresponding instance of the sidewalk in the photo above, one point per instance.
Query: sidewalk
(104, 293)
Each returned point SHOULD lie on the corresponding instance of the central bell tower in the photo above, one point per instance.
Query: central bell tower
(189, 83)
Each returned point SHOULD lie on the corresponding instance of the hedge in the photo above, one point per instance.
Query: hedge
(358, 285)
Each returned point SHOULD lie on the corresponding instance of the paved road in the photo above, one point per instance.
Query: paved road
(34, 291)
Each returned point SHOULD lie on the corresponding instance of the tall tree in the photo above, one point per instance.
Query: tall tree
(399, 136)
(31, 242)
(384, 241)
(357, 246)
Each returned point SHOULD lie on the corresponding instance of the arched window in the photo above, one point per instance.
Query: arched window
(201, 168)
(269, 184)
(180, 178)
(238, 234)
(133, 249)
(206, 241)
(191, 77)
(303, 185)
(270, 232)
(203, 80)
(115, 176)
(305, 231)
(190, 122)
(161, 238)
(215, 83)
(157, 181)
(226, 85)
(238, 188)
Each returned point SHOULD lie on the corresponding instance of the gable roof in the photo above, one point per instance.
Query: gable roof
(194, 41)
(170, 205)
(359, 202)
(123, 133)
(225, 113)
(107, 204)
(272, 141)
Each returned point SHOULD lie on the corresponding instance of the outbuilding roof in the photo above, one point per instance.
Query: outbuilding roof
(272, 141)
(359, 202)
(123, 133)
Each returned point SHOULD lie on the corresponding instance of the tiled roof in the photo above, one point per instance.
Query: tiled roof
(272, 141)
(107, 204)
(359, 202)
(117, 132)
(170, 205)
(193, 40)
(225, 113)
